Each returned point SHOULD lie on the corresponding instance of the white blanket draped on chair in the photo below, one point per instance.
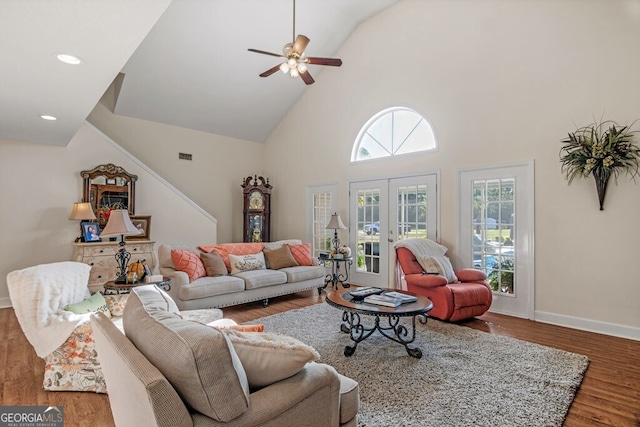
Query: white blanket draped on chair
(38, 296)
(430, 255)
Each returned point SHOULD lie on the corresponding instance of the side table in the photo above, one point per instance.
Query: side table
(113, 288)
(339, 271)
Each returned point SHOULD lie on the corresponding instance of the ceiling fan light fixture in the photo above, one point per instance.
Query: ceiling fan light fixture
(287, 50)
(284, 67)
(292, 63)
(294, 72)
(301, 67)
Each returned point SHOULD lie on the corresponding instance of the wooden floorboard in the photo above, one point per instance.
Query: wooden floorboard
(608, 396)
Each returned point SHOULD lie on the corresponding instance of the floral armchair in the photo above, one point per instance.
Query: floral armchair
(64, 339)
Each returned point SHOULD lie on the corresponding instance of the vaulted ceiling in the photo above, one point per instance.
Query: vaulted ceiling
(184, 62)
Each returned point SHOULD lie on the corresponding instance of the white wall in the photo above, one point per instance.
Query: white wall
(212, 179)
(40, 183)
(500, 81)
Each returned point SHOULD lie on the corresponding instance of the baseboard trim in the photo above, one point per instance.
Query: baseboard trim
(5, 302)
(589, 325)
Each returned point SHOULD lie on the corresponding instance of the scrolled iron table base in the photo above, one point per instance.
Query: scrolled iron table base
(386, 320)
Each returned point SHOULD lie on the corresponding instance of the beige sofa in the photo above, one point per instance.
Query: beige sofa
(171, 372)
(244, 287)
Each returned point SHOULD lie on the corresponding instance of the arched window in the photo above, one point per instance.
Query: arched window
(394, 131)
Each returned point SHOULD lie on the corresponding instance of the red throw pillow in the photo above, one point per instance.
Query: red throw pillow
(302, 253)
(189, 262)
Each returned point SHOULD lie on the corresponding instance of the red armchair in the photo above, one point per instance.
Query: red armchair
(451, 301)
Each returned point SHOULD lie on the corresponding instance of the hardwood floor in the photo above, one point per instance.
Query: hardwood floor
(608, 396)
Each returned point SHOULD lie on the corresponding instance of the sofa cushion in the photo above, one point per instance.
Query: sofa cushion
(240, 263)
(199, 361)
(279, 258)
(277, 244)
(303, 272)
(270, 357)
(213, 264)
(302, 253)
(262, 278)
(210, 286)
(189, 262)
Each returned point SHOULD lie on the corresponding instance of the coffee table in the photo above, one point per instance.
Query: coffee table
(392, 328)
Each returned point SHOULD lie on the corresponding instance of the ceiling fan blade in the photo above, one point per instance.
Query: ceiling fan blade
(300, 44)
(306, 77)
(270, 71)
(334, 62)
(265, 53)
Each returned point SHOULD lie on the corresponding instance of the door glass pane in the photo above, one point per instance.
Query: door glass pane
(412, 212)
(368, 229)
(494, 231)
(321, 216)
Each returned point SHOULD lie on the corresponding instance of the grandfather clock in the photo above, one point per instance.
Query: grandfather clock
(257, 209)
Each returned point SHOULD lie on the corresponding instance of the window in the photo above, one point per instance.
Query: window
(394, 131)
(322, 201)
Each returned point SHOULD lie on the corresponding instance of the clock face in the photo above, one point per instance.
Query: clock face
(256, 200)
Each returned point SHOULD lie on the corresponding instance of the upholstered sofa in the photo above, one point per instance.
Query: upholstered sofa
(468, 295)
(43, 297)
(166, 371)
(198, 288)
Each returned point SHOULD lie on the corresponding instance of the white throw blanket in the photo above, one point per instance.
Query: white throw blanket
(38, 296)
(430, 255)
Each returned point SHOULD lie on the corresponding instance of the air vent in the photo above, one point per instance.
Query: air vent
(184, 156)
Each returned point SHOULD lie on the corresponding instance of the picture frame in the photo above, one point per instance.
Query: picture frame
(90, 232)
(142, 222)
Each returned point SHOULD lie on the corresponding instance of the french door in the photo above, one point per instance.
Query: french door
(382, 212)
(495, 232)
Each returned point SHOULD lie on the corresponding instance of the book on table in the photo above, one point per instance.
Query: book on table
(404, 297)
(383, 300)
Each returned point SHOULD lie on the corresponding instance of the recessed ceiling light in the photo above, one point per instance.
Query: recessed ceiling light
(48, 117)
(69, 59)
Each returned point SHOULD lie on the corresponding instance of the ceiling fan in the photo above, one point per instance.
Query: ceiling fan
(295, 61)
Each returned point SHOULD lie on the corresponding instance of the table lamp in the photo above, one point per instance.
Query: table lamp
(335, 224)
(120, 224)
(84, 212)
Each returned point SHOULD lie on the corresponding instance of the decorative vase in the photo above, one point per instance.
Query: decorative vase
(601, 186)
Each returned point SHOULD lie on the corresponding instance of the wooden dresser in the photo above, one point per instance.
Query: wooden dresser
(101, 257)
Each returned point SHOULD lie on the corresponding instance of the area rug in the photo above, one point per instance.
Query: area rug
(464, 378)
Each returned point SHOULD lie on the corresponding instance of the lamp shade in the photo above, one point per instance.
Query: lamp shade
(119, 224)
(335, 223)
(82, 211)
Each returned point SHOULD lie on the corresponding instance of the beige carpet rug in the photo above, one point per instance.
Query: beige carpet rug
(464, 378)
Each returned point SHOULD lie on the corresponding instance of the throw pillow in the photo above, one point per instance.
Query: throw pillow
(213, 264)
(241, 263)
(94, 304)
(189, 262)
(280, 258)
(269, 357)
(302, 253)
(199, 361)
(226, 249)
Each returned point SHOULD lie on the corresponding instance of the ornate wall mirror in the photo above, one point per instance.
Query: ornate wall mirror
(109, 187)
